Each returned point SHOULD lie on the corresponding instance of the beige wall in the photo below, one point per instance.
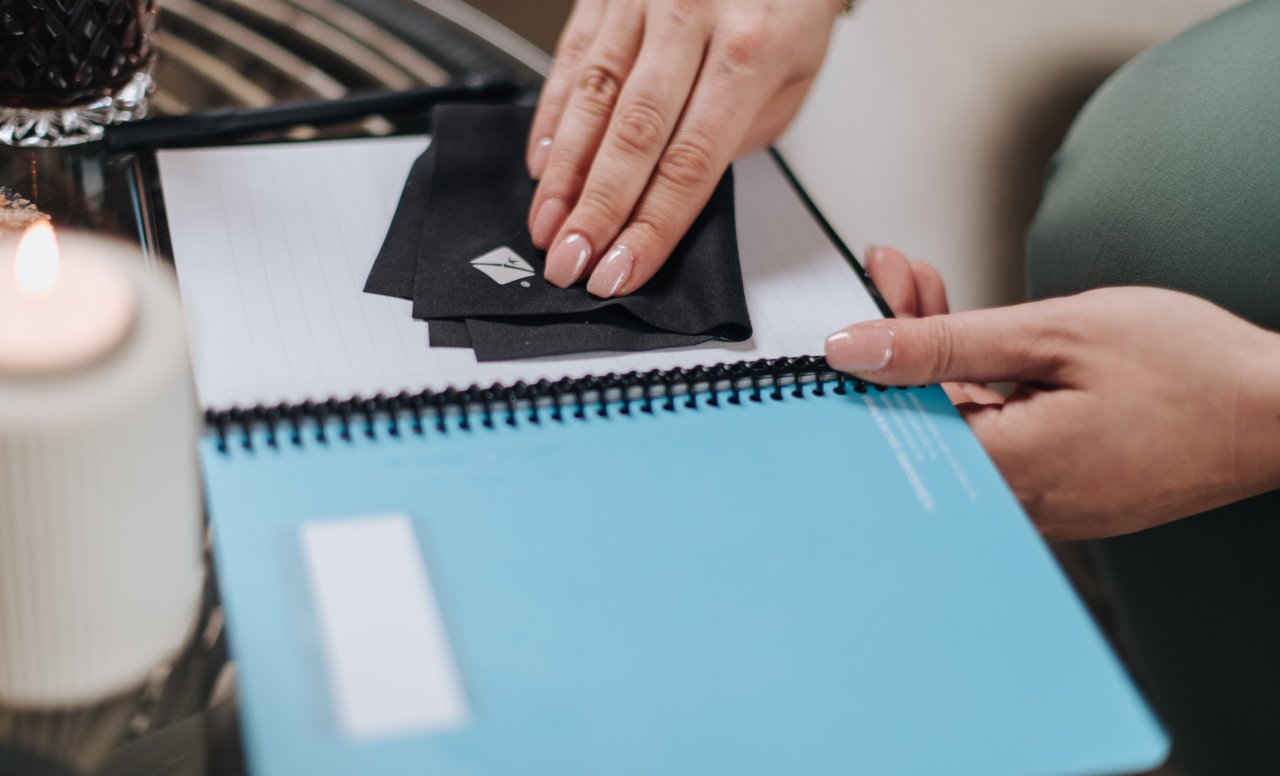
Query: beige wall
(932, 122)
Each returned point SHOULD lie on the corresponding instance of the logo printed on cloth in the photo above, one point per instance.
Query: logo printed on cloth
(503, 266)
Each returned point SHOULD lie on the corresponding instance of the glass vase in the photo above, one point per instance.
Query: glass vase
(68, 68)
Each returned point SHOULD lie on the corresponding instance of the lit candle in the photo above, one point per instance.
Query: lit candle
(100, 513)
(58, 312)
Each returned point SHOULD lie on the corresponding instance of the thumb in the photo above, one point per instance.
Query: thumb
(997, 345)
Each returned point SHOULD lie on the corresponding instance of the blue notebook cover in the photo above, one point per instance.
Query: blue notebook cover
(826, 584)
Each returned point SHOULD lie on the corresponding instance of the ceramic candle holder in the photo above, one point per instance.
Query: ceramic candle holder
(100, 508)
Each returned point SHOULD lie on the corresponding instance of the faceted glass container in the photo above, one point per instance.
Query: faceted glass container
(68, 68)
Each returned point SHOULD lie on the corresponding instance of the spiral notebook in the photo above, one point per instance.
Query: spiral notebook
(714, 560)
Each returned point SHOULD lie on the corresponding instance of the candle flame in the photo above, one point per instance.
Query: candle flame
(38, 259)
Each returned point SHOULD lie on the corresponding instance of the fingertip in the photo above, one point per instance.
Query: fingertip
(613, 275)
(638, 253)
(923, 268)
(835, 345)
(861, 349)
(567, 260)
(871, 256)
(931, 289)
(883, 255)
(874, 265)
(891, 273)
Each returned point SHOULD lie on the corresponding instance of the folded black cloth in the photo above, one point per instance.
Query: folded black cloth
(394, 270)
(396, 267)
(460, 248)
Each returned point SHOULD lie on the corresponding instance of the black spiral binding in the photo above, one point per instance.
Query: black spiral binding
(557, 401)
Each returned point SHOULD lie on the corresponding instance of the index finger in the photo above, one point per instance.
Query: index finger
(729, 94)
(641, 125)
(574, 43)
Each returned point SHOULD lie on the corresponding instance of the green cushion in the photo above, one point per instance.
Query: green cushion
(1171, 174)
(1171, 177)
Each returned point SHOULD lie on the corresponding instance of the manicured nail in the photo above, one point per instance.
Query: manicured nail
(613, 273)
(567, 260)
(538, 159)
(547, 223)
(871, 250)
(861, 349)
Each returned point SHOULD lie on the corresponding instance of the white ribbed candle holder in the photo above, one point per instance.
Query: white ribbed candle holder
(100, 509)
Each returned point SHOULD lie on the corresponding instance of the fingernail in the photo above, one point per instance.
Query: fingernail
(861, 349)
(613, 273)
(538, 159)
(547, 223)
(871, 250)
(567, 260)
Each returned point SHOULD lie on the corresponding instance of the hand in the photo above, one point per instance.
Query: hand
(914, 289)
(1134, 406)
(648, 104)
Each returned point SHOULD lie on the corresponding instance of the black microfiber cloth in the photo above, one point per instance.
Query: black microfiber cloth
(394, 271)
(443, 333)
(478, 277)
(397, 263)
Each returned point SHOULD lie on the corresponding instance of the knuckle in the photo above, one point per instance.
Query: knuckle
(1073, 333)
(746, 46)
(683, 11)
(562, 177)
(1053, 354)
(681, 14)
(689, 162)
(641, 127)
(648, 228)
(599, 85)
(573, 47)
(551, 105)
(597, 205)
(942, 338)
(1059, 335)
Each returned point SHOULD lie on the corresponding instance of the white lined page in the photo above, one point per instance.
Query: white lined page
(273, 245)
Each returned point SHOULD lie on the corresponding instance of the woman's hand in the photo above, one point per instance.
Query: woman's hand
(1134, 406)
(914, 289)
(648, 103)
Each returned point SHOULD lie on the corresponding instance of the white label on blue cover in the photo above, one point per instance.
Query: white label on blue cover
(391, 671)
